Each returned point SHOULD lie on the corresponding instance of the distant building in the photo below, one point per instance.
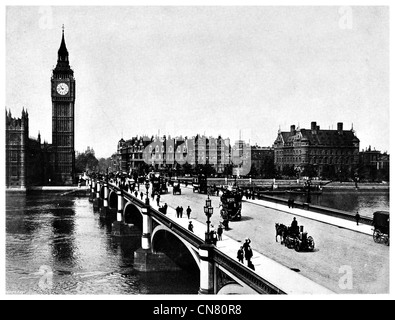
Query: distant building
(17, 134)
(140, 154)
(262, 161)
(373, 164)
(27, 160)
(324, 152)
(130, 154)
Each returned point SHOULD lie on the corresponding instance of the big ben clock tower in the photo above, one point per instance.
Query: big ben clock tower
(63, 98)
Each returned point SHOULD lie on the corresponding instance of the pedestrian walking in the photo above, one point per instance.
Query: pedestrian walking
(214, 238)
(220, 231)
(181, 211)
(357, 218)
(178, 211)
(158, 200)
(248, 254)
(240, 255)
(136, 193)
(189, 210)
(190, 226)
(165, 209)
(247, 250)
(141, 195)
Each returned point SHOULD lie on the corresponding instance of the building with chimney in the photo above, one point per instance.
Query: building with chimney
(316, 151)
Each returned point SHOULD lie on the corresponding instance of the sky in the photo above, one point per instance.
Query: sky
(223, 70)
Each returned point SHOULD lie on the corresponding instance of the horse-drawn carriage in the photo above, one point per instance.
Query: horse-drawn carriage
(294, 238)
(231, 205)
(199, 183)
(176, 187)
(381, 224)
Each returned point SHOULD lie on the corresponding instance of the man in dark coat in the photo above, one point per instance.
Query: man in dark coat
(181, 211)
(190, 226)
(189, 210)
(240, 255)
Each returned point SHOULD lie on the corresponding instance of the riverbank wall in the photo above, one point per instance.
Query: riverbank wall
(319, 209)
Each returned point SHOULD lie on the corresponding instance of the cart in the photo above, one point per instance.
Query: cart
(381, 224)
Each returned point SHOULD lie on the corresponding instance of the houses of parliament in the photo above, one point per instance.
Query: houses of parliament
(30, 162)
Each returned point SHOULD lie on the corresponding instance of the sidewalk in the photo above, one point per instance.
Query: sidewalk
(282, 277)
(346, 224)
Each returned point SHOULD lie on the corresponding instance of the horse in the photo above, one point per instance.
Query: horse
(281, 231)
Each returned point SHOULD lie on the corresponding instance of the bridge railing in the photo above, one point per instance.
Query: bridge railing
(245, 274)
(193, 239)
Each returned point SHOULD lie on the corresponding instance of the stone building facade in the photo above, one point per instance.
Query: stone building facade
(326, 152)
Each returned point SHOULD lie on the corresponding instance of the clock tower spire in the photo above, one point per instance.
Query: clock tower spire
(63, 57)
(63, 99)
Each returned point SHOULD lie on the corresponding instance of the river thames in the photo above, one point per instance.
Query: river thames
(47, 234)
(63, 235)
(364, 202)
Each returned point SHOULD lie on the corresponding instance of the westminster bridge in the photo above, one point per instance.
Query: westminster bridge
(166, 241)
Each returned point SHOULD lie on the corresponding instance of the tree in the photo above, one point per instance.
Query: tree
(309, 171)
(289, 171)
(104, 164)
(86, 161)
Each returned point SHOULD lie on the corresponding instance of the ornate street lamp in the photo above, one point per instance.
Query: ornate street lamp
(147, 188)
(208, 210)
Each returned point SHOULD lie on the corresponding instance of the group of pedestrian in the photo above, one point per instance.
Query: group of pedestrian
(215, 235)
(249, 195)
(245, 252)
(180, 211)
(291, 203)
(163, 209)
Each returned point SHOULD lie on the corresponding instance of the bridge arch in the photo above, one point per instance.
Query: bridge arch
(235, 288)
(133, 215)
(180, 251)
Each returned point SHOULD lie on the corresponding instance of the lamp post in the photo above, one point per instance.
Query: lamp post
(208, 210)
(147, 188)
(308, 191)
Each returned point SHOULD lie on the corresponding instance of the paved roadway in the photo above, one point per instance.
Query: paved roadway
(345, 261)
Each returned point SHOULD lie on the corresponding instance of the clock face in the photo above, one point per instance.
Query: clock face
(62, 88)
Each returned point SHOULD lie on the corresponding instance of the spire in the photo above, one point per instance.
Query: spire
(63, 54)
(63, 57)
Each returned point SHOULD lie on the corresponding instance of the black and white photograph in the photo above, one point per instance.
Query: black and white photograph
(196, 150)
